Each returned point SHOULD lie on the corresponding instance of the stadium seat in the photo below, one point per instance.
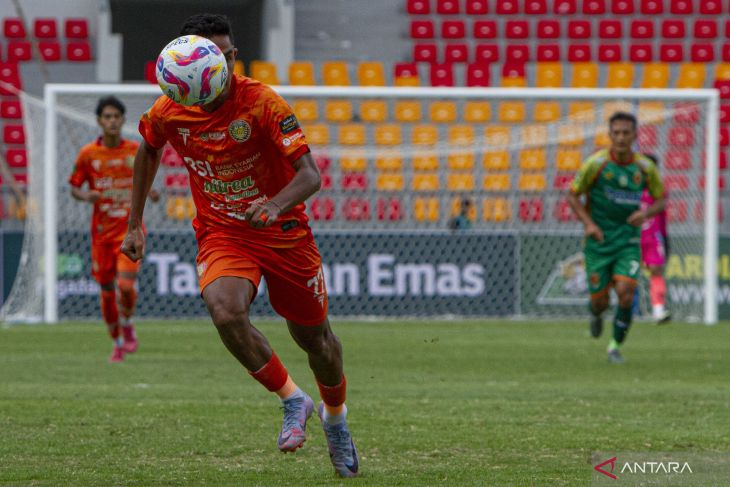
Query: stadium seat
(19, 51)
(338, 111)
(496, 160)
(579, 29)
(681, 7)
(641, 53)
(352, 134)
(620, 75)
(676, 210)
(594, 7)
(149, 72)
(11, 109)
(570, 135)
(477, 111)
(389, 209)
(354, 181)
(622, 7)
(425, 182)
(516, 29)
(536, 7)
(724, 137)
(486, 53)
(681, 137)
(725, 114)
(497, 136)
(239, 68)
(406, 74)
(565, 7)
(460, 134)
(676, 182)
(548, 75)
(176, 181)
(705, 29)
(582, 112)
(13, 134)
(426, 209)
(425, 161)
(507, 7)
(711, 7)
(453, 29)
(356, 209)
(686, 113)
(601, 139)
(546, 111)
(17, 158)
(326, 181)
(702, 53)
(418, 7)
(456, 53)
(371, 73)
(611, 107)
(535, 135)
(547, 53)
(585, 75)
(656, 75)
(388, 134)
(45, 28)
(408, 111)
(79, 51)
(447, 7)
(725, 53)
(76, 28)
(13, 28)
(50, 51)
(642, 29)
(484, 29)
(563, 181)
(673, 29)
(652, 7)
(301, 73)
(441, 75)
(517, 53)
(476, 7)
(532, 160)
(511, 111)
(647, 138)
(609, 53)
(170, 157)
(389, 181)
(671, 53)
(424, 135)
(531, 210)
(610, 29)
(496, 209)
(579, 53)
(691, 75)
(388, 160)
(699, 212)
(548, 29)
(265, 72)
(562, 211)
(677, 160)
(335, 73)
(373, 111)
(323, 162)
(322, 208)
(460, 181)
(317, 134)
(353, 160)
(497, 182)
(722, 71)
(422, 29)
(513, 82)
(651, 112)
(568, 160)
(477, 74)
(425, 53)
(456, 204)
(306, 109)
(442, 111)
(460, 160)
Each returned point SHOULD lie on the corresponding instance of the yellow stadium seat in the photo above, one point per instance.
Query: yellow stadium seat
(239, 69)
(570, 135)
(442, 111)
(370, 73)
(511, 111)
(461, 159)
(338, 110)
(602, 139)
(496, 160)
(534, 135)
(456, 208)
(265, 72)
(408, 111)
(691, 75)
(549, 75)
(373, 111)
(546, 111)
(407, 81)
(496, 209)
(582, 112)
(532, 182)
(722, 71)
(305, 110)
(568, 160)
(353, 160)
(173, 207)
(497, 182)
(425, 182)
(461, 134)
(514, 82)
(388, 134)
(656, 75)
(585, 75)
(426, 209)
(335, 73)
(352, 134)
(477, 111)
(611, 107)
(620, 75)
(460, 181)
(425, 161)
(386, 181)
(190, 204)
(533, 159)
(388, 160)
(652, 112)
(424, 135)
(497, 136)
(301, 73)
(317, 134)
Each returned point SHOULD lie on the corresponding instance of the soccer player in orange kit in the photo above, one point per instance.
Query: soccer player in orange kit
(106, 166)
(250, 172)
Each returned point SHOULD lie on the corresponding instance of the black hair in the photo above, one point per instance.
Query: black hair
(623, 116)
(207, 25)
(653, 158)
(109, 101)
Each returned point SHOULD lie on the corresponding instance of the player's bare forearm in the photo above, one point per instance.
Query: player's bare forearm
(78, 193)
(657, 207)
(304, 184)
(579, 210)
(146, 163)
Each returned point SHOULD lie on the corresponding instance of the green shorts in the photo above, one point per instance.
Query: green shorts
(602, 269)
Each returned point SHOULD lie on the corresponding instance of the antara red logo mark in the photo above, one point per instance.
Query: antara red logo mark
(599, 468)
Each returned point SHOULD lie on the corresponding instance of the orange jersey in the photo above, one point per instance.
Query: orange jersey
(109, 171)
(239, 154)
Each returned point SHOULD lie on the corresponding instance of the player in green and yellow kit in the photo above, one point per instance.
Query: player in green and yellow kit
(612, 181)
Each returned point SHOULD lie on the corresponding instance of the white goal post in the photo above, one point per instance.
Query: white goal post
(59, 103)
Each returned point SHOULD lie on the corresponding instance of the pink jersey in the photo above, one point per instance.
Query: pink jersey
(654, 229)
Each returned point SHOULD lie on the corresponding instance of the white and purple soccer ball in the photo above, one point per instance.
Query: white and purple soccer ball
(191, 70)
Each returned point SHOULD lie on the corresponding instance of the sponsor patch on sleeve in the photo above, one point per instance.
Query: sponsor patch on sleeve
(289, 124)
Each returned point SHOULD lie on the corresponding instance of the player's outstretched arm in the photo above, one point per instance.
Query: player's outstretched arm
(638, 217)
(304, 184)
(146, 163)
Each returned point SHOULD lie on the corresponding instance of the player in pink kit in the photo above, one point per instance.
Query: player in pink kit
(654, 249)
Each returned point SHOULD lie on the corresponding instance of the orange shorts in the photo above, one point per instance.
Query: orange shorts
(107, 260)
(293, 275)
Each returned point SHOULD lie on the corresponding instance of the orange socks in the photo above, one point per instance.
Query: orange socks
(110, 312)
(273, 375)
(127, 297)
(333, 396)
(657, 290)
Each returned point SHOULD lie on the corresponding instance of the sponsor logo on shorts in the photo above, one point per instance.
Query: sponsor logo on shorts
(240, 130)
(289, 124)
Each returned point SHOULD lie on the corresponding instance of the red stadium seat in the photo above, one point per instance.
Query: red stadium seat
(562, 181)
(723, 86)
(565, 7)
(699, 213)
(686, 113)
(579, 29)
(531, 210)
(487, 53)
(19, 51)
(647, 137)
(671, 53)
(610, 29)
(677, 160)
(447, 7)
(727, 29)
(594, 7)
(149, 72)
(456, 53)
(11, 110)
(507, 7)
(673, 29)
(170, 157)
(441, 75)
(726, 53)
(485, 29)
(45, 28)
(389, 209)
(720, 183)
(725, 114)
(676, 211)
(563, 212)
(681, 137)
(326, 180)
(477, 74)
(535, 7)
(513, 70)
(426, 53)
(323, 162)
(579, 53)
(548, 52)
(78, 51)
(642, 29)
(405, 70)
(724, 136)
(476, 7)
(517, 29)
(652, 7)
(354, 181)
(453, 29)
(422, 29)
(418, 7)
(176, 181)
(676, 182)
(76, 28)
(702, 53)
(548, 29)
(9, 74)
(641, 53)
(622, 7)
(681, 7)
(13, 134)
(705, 29)
(517, 53)
(13, 28)
(609, 53)
(322, 208)
(711, 7)
(356, 209)
(50, 50)
(16, 157)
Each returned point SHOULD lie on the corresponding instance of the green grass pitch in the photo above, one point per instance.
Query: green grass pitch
(431, 403)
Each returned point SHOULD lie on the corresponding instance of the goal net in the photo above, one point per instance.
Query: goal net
(399, 166)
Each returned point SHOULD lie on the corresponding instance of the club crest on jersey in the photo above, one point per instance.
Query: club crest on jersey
(637, 177)
(623, 181)
(608, 175)
(240, 130)
(185, 133)
(96, 164)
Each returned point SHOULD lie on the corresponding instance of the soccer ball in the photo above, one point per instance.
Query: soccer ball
(191, 70)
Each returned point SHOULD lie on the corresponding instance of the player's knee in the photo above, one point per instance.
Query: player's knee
(125, 285)
(107, 286)
(324, 343)
(225, 315)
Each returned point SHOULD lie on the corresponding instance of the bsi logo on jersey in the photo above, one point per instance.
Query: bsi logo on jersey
(185, 133)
